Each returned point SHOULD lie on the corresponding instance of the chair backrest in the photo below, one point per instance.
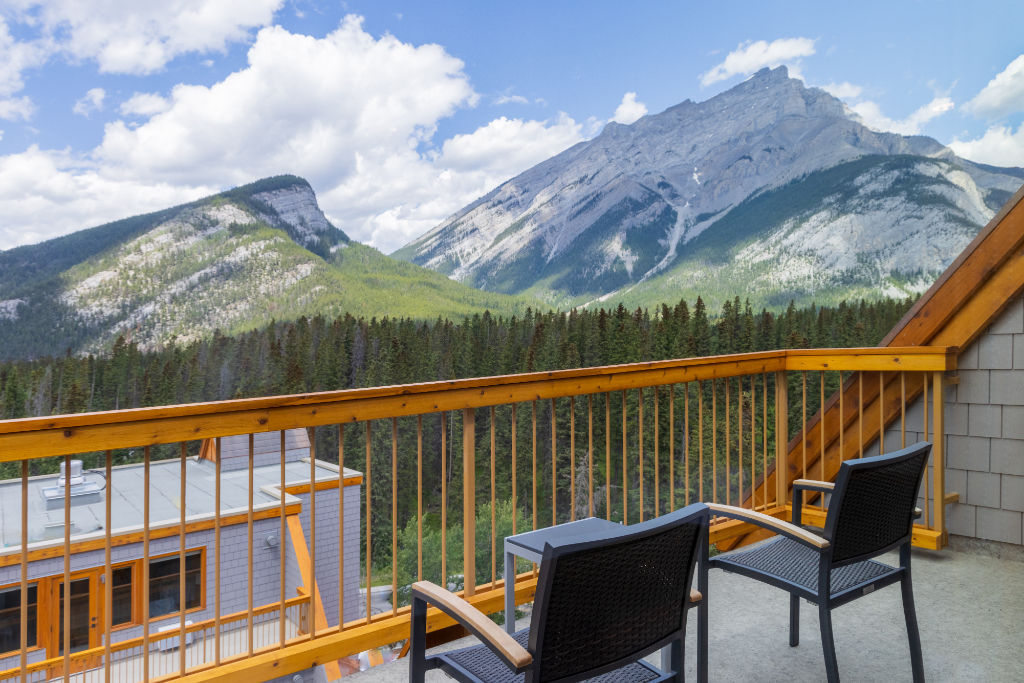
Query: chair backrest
(872, 506)
(603, 602)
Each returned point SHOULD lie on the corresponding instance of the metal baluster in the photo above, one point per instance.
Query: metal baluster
(572, 458)
(249, 567)
(369, 572)
(640, 444)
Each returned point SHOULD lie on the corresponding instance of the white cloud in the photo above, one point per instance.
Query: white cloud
(128, 36)
(90, 102)
(122, 36)
(629, 110)
(505, 144)
(302, 104)
(48, 193)
(1000, 146)
(871, 115)
(14, 108)
(1003, 95)
(337, 110)
(15, 58)
(510, 99)
(844, 90)
(750, 56)
(398, 195)
(144, 104)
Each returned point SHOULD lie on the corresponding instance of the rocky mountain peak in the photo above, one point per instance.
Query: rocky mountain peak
(229, 262)
(297, 206)
(609, 214)
(289, 203)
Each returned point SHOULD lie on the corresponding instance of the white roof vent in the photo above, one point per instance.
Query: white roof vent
(76, 474)
(76, 481)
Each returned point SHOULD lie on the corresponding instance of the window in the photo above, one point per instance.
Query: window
(164, 584)
(121, 596)
(10, 618)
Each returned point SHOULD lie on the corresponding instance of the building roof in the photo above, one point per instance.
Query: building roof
(127, 496)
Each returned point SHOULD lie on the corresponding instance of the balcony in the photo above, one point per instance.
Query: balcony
(968, 606)
(249, 509)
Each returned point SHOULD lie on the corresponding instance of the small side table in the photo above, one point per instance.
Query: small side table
(530, 546)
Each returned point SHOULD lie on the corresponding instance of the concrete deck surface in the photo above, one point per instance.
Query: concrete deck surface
(970, 611)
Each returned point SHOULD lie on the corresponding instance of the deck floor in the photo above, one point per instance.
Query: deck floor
(970, 610)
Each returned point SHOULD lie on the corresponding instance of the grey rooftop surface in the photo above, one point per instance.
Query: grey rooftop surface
(970, 609)
(127, 493)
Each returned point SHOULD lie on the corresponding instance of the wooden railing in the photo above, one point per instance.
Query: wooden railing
(232, 637)
(484, 458)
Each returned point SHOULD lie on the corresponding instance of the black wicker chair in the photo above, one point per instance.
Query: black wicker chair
(601, 605)
(871, 511)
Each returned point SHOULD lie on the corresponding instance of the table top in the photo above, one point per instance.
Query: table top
(531, 543)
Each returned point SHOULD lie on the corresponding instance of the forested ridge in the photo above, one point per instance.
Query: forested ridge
(316, 354)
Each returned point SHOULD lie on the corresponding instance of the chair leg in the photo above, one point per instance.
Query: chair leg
(794, 620)
(828, 645)
(702, 618)
(418, 647)
(914, 636)
(675, 660)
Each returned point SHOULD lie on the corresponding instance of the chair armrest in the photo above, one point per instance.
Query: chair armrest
(801, 485)
(814, 485)
(772, 524)
(501, 643)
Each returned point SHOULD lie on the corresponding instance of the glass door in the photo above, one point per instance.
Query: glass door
(82, 622)
(84, 609)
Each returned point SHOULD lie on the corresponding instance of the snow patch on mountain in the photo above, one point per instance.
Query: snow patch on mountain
(9, 309)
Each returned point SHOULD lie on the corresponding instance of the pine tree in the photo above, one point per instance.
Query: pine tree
(700, 334)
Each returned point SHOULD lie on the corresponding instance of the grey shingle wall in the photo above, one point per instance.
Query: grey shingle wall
(986, 441)
(984, 417)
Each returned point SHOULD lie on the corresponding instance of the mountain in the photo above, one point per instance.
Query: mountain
(770, 190)
(233, 262)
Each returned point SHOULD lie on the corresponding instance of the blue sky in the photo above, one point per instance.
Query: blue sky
(400, 113)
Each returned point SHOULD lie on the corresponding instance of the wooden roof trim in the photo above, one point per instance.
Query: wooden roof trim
(44, 550)
(980, 260)
(301, 553)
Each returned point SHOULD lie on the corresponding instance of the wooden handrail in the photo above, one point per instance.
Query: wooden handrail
(37, 437)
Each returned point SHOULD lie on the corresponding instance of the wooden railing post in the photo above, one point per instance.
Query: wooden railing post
(938, 458)
(469, 499)
(781, 437)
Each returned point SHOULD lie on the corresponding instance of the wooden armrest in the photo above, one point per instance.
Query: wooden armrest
(814, 485)
(695, 596)
(476, 621)
(771, 523)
